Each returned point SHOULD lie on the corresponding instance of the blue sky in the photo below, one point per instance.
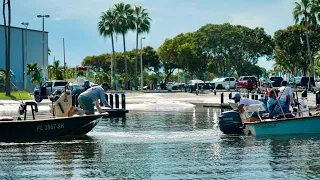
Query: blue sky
(76, 21)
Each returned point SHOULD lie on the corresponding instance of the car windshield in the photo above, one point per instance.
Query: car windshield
(62, 83)
(278, 79)
(249, 79)
(297, 78)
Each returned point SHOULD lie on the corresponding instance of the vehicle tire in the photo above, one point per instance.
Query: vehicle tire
(219, 86)
(37, 98)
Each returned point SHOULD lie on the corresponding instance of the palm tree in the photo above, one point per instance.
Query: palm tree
(106, 27)
(124, 23)
(305, 13)
(35, 71)
(7, 41)
(142, 24)
(56, 70)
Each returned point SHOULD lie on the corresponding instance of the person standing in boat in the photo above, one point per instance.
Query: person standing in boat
(244, 102)
(92, 95)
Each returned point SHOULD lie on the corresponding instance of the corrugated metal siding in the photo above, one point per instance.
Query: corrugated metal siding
(34, 53)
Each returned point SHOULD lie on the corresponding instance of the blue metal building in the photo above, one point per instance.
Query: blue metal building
(26, 47)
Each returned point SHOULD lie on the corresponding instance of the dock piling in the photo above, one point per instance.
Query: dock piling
(117, 100)
(111, 100)
(222, 98)
(123, 101)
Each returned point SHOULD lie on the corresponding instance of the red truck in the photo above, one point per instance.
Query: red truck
(247, 82)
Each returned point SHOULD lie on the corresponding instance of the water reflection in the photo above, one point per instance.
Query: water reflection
(163, 145)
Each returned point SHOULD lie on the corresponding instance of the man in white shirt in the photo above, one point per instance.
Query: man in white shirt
(244, 102)
(92, 95)
(286, 92)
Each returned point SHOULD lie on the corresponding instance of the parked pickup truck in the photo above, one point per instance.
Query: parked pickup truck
(47, 88)
(247, 82)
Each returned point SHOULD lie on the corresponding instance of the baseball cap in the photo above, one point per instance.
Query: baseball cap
(237, 95)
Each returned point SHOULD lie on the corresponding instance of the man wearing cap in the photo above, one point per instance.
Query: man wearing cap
(244, 102)
(92, 95)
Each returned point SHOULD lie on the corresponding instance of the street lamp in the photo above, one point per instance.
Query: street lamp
(141, 78)
(25, 24)
(43, 16)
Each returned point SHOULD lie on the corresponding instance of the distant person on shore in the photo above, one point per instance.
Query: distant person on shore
(92, 95)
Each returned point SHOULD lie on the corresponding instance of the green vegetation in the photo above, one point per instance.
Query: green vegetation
(120, 20)
(15, 95)
(35, 72)
(100, 65)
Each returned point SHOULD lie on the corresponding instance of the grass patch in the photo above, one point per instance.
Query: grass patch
(15, 95)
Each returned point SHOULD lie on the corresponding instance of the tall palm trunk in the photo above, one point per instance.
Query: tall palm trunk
(7, 44)
(309, 53)
(136, 63)
(125, 63)
(114, 62)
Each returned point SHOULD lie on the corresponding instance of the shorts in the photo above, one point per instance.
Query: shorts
(86, 103)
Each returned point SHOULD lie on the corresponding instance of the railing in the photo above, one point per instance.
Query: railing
(112, 98)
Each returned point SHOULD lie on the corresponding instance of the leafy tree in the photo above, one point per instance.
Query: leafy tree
(141, 20)
(101, 77)
(3, 73)
(35, 71)
(98, 63)
(56, 71)
(124, 23)
(151, 59)
(305, 13)
(291, 50)
(169, 55)
(106, 27)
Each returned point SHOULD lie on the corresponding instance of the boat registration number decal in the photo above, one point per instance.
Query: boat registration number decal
(48, 127)
(267, 126)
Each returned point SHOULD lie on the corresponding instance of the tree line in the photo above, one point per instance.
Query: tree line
(120, 19)
(225, 49)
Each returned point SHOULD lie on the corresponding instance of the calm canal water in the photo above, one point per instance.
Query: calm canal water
(162, 145)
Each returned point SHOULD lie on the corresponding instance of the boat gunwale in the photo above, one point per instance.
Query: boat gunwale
(54, 118)
(286, 119)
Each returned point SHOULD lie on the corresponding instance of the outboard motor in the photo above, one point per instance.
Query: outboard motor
(230, 123)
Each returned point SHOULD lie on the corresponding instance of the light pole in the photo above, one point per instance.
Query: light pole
(25, 24)
(141, 78)
(43, 16)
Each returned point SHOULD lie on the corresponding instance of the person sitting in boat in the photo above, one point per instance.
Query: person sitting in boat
(244, 102)
(286, 95)
(274, 105)
(92, 95)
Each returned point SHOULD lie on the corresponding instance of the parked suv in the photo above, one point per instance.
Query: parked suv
(247, 82)
(303, 82)
(222, 83)
(274, 81)
(192, 85)
(47, 88)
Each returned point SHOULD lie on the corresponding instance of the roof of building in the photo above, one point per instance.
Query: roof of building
(1, 25)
